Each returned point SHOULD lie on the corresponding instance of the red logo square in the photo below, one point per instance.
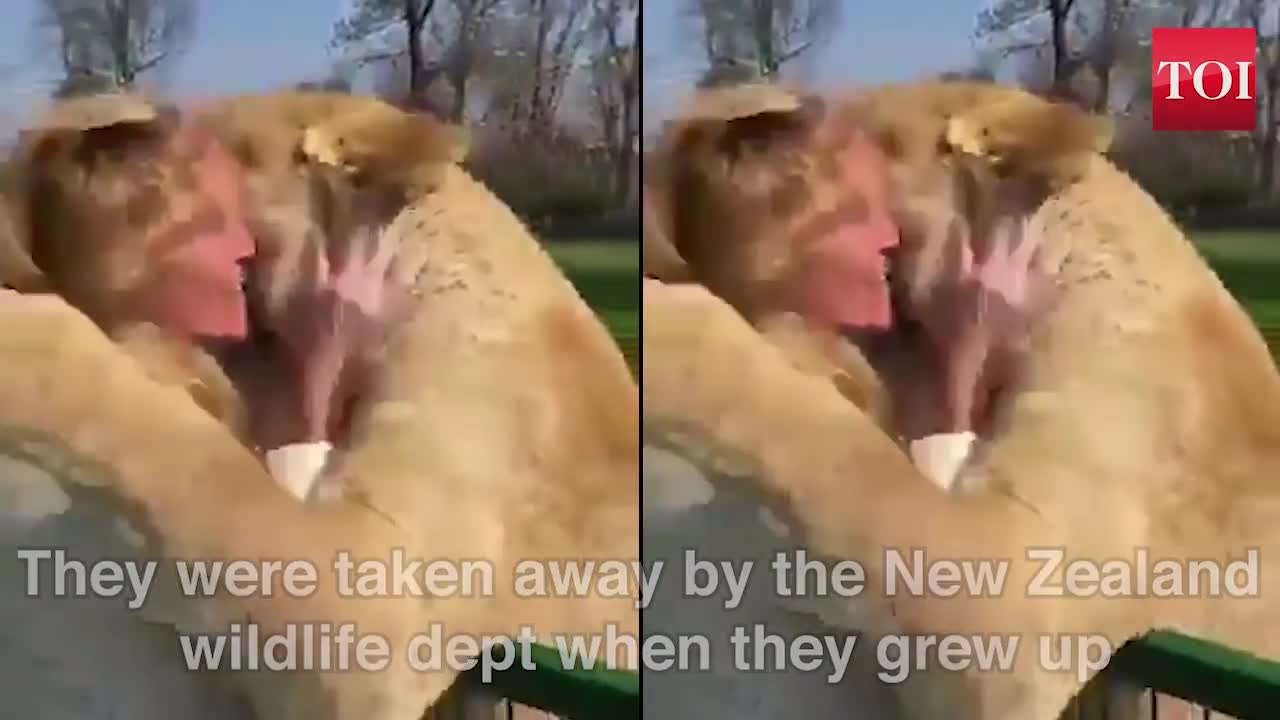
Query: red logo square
(1204, 79)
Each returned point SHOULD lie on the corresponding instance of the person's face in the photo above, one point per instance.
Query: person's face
(847, 283)
(202, 253)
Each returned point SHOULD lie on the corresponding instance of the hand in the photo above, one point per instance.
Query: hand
(336, 322)
(1001, 291)
(979, 316)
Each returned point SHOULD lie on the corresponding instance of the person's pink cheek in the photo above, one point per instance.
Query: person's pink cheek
(200, 312)
(206, 285)
(847, 282)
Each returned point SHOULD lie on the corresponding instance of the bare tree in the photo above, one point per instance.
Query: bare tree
(1128, 46)
(1110, 34)
(1102, 35)
(726, 71)
(105, 44)
(977, 72)
(370, 19)
(616, 86)
(1198, 13)
(559, 28)
(337, 79)
(505, 83)
(536, 46)
(1108, 41)
(766, 34)
(1058, 11)
(390, 82)
(1004, 18)
(1264, 17)
(465, 36)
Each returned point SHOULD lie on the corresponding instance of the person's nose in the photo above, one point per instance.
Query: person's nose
(887, 232)
(243, 243)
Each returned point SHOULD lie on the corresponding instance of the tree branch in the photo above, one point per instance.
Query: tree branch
(148, 64)
(426, 10)
(794, 53)
(1020, 47)
(378, 57)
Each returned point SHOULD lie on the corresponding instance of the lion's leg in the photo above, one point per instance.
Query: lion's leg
(820, 464)
(159, 461)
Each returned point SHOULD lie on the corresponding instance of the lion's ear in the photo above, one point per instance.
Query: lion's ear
(318, 145)
(1023, 134)
(741, 113)
(94, 112)
(658, 255)
(740, 101)
(1015, 128)
(88, 122)
(724, 122)
(712, 132)
(379, 145)
(18, 270)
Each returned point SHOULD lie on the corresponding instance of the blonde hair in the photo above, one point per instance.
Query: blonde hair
(96, 199)
(743, 184)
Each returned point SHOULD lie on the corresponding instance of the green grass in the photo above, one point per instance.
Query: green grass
(1249, 265)
(607, 273)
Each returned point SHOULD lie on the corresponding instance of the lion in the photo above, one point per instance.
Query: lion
(501, 427)
(1145, 413)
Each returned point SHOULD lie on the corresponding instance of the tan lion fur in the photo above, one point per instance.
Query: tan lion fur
(1150, 417)
(502, 427)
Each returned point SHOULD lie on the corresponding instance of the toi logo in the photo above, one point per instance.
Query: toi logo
(1204, 79)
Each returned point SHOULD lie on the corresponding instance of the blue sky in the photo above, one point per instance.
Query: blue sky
(243, 45)
(876, 41)
(238, 45)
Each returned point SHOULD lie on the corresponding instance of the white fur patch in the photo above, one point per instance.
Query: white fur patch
(776, 525)
(297, 467)
(130, 534)
(28, 494)
(940, 457)
(319, 147)
(671, 483)
(965, 137)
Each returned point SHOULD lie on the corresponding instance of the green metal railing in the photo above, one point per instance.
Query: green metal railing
(1210, 675)
(1207, 674)
(570, 694)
